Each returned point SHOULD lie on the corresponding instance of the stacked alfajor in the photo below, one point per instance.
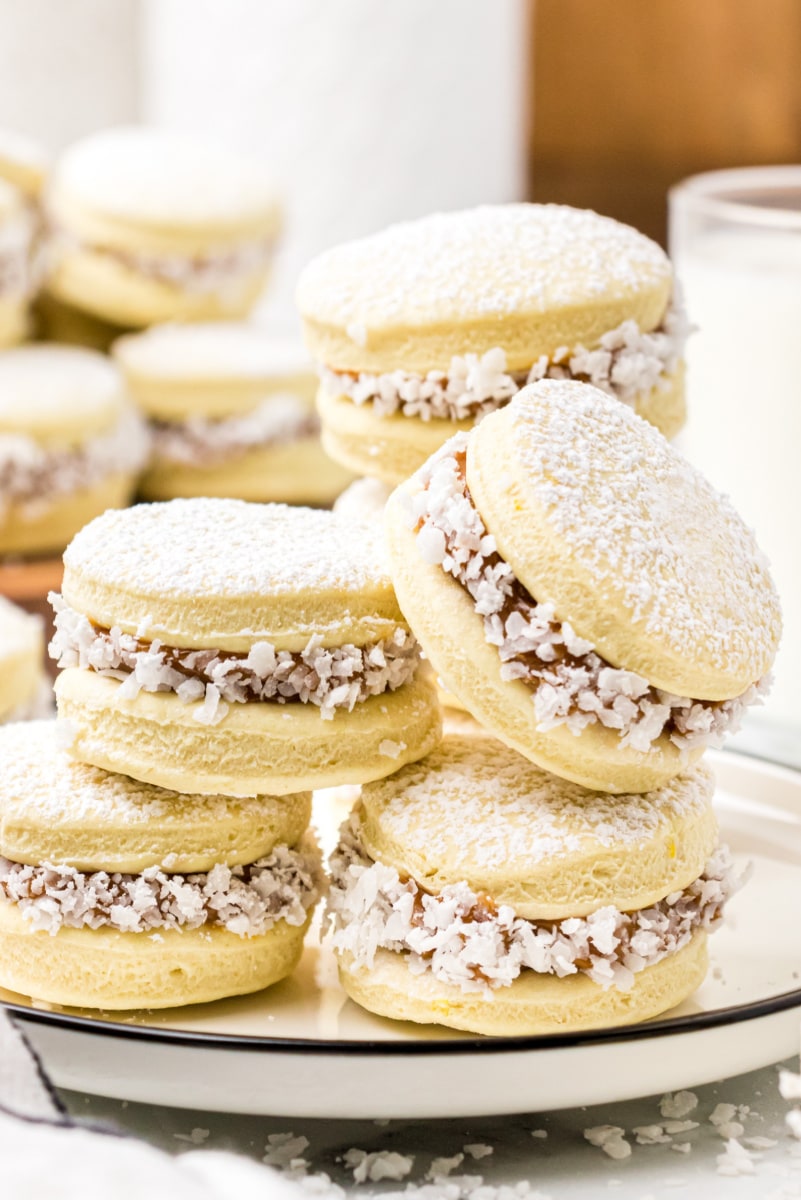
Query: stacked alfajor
(116, 894)
(583, 590)
(24, 690)
(477, 891)
(231, 413)
(217, 646)
(149, 225)
(422, 329)
(71, 445)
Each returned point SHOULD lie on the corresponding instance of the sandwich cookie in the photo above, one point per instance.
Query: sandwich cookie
(24, 691)
(424, 328)
(583, 590)
(23, 163)
(476, 891)
(23, 167)
(117, 895)
(150, 225)
(219, 646)
(231, 412)
(70, 445)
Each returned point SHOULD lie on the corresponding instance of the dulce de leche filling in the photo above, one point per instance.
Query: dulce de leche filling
(204, 442)
(330, 677)
(466, 939)
(571, 683)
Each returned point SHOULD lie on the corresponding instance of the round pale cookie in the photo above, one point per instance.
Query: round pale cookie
(21, 660)
(597, 514)
(214, 369)
(104, 968)
(123, 197)
(56, 810)
(532, 1004)
(475, 811)
(226, 575)
(57, 401)
(528, 278)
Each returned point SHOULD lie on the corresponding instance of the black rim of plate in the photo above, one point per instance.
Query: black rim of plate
(664, 1027)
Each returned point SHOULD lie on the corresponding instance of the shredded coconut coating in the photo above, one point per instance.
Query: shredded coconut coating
(199, 441)
(246, 900)
(34, 476)
(572, 684)
(466, 941)
(329, 677)
(626, 363)
(208, 271)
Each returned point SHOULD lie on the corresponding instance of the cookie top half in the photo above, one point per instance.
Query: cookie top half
(476, 811)
(226, 574)
(598, 515)
(56, 810)
(58, 395)
(211, 369)
(529, 278)
(159, 188)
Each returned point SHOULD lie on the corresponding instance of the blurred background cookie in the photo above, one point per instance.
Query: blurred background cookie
(231, 412)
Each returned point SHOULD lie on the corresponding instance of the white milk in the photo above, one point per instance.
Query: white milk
(743, 291)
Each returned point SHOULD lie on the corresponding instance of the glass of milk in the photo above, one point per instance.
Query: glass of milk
(735, 237)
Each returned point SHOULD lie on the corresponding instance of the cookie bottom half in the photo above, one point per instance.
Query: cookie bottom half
(104, 968)
(532, 1004)
(295, 472)
(262, 748)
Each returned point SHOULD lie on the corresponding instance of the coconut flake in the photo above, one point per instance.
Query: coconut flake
(199, 441)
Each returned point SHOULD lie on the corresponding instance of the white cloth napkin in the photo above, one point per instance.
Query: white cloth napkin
(43, 1151)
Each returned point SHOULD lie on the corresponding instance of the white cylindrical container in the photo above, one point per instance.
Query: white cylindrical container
(366, 113)
(735, 237)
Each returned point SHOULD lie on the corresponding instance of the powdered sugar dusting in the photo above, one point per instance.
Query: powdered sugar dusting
(213, 547)
(643, 519)
(246, 900)
(479, 263)
(464, 940)
(509, 812)
(44, 783)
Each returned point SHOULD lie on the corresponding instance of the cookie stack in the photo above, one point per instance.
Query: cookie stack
(580, 590)
(219, 661)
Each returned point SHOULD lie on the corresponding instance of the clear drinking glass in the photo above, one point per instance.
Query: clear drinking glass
(735, 237)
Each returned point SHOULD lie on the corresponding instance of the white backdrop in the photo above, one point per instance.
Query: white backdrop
(366, 111)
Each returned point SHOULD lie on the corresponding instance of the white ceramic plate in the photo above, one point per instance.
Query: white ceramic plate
(303, 1049)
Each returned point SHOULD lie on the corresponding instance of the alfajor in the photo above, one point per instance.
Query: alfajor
(117, 895)
(71, 445)
(24, 690)
(583, 590)
(150, 225)
(19, 262)
(219, 646)
(475, 890)
(424, 328)
(231, 412)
